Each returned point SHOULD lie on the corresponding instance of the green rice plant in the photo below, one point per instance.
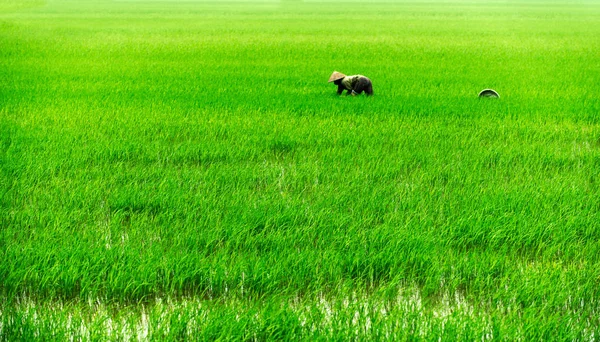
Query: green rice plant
(182, 170)
(15, 5)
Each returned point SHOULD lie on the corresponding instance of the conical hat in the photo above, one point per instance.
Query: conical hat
(489, 93)
(336, 76)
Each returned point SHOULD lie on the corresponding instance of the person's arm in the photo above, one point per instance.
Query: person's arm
(340, 89)
(355, 83)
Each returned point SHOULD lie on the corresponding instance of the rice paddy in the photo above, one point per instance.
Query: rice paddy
(182, 170)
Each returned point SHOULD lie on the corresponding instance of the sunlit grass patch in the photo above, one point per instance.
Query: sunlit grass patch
(14, 5)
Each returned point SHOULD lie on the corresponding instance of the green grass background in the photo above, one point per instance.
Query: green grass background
(183, 170)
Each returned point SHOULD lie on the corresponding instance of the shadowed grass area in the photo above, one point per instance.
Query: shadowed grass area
(183, 170)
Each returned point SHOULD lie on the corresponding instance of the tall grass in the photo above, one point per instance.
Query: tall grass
(183, 170)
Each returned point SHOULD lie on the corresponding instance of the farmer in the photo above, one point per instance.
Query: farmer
(354, 85)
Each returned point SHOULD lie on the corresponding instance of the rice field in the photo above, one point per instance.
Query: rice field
(182, 170)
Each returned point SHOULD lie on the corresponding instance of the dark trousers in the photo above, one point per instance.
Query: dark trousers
(364, 84)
